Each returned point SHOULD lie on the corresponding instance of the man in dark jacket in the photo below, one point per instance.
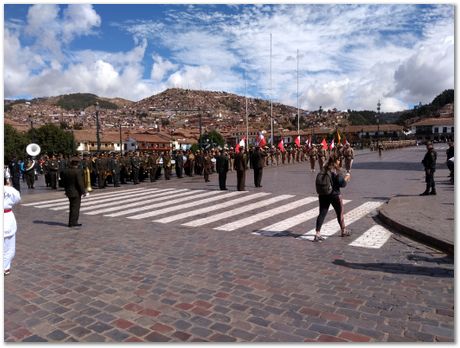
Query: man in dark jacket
(258, 161)
(429, 162)
(72, 179)
(240, 165)
(222, 169)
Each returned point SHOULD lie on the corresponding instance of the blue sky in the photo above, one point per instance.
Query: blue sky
(349, 55)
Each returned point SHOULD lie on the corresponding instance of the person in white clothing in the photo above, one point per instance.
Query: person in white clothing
(11, 197)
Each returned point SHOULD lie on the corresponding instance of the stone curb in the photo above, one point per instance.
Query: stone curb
(421, 237)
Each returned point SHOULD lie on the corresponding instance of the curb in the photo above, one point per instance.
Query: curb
(423, 238)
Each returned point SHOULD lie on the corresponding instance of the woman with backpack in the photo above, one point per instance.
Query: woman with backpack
(328, 184)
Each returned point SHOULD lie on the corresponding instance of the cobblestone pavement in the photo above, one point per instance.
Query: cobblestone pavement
(117, 279)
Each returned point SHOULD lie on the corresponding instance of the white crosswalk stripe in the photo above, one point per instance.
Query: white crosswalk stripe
(233, 212)
(374, 238)
(119, 198)
(195, 212)
(172, 205)
(265, 214)
(187, 205)
(139, 208)
(59, 200)
(156, 197)
(331, 227)
(298, 219)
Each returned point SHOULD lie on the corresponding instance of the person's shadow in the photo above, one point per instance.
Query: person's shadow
(50, 223)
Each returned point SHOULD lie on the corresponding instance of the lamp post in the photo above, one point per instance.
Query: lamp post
(378, 128)
(121, 140)
(98, 140)
(32, 128)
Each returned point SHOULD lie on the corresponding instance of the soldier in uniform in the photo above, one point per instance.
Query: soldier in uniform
(231, 158)
(29, 172)
(167, 165)
(15, 173)
(199, 163)
(46, 172)
(222, 164)
(102, 168)
(348, 154)
(152, 164)
(115, 168)
(53, 168)
(125, 164)
(191, 163)
(258, 160)
(429, 163)
(72, 179)
(179, 158)
(63, 164)
(86, 167)
(313, 154)
(321, 156)
(240, 165)
(207, 165)
(135, 166)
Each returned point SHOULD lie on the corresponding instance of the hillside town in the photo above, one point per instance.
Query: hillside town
(176, 118)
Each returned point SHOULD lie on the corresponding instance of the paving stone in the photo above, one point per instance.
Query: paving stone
(324, 329)
(437, 331)
(220, 327)
(259, 321)
(217, 337)
(182, 325)
(79, 331)
(34, 338)
(161, 328)
(138, 330)
(200, 331)
(100, 327)
(157, 337)
(201, 321)
(245, 335)
(181, 336)
(117, 335)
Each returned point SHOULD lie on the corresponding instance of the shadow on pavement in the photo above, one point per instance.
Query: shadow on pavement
(277, 234)
(444, 259)
(398, 268)
(389, 166)
(50, 223)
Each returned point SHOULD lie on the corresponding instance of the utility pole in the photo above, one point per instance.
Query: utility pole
(271, 103)
(98, 139)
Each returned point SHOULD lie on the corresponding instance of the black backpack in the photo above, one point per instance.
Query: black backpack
(324, 182)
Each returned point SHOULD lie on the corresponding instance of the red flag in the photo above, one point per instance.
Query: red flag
(240, 144)
(281, 145)
(324, 143)
(345, 141)
(297, 141)
(261, 140)
(332, 144)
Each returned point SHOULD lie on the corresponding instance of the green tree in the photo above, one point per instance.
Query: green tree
(211, 139)
(53, 139)
(15, 143)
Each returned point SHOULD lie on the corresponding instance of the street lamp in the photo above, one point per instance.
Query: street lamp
(121, 141)
(98, 140)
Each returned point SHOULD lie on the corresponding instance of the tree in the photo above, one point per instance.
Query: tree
(212, 139)
(53, 139)
(15, 143)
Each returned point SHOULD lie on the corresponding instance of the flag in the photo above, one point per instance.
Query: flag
(332, 145)
(338, 137)
(261, 140)
(345, 141)
(297, 141)
(324, 143)
(281, 145)
(242, 143)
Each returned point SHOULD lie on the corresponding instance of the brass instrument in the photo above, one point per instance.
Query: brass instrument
(87, 179)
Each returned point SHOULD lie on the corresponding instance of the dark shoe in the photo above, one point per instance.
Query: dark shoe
(76, 225)
(6, 272)
(426, 193)
(433, 193)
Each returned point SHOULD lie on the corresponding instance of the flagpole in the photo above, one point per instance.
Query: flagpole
(246, 101)
(298, 110)
(271, 104)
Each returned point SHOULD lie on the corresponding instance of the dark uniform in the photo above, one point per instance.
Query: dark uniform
(53, 168)
(179, 164)
(207, 166)
(167, 165)
(429, 162)
(258, 161)
(222, 166)
(240, 166)
(72, 179)
(135, 166)
(29, 172)
(15, 173)
(115, 168)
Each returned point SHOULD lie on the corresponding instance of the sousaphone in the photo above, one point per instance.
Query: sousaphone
(33, 149)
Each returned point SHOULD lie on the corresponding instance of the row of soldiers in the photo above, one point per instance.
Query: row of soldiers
(100, 170)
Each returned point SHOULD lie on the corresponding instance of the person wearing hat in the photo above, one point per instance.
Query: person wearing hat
(429, 162)
(222, 166)
(258, 161)
(72, 179)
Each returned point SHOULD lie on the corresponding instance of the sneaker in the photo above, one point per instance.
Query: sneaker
(318, 239)
(6, 272)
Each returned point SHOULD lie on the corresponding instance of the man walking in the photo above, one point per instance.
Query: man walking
(429, 162)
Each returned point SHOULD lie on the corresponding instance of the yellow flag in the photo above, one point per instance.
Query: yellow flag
(338, 137)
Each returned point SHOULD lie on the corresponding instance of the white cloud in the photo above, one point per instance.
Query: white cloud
(351, 56)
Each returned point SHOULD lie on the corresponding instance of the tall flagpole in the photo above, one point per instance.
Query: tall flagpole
(246, 100)
(298, 110)
(271, 104)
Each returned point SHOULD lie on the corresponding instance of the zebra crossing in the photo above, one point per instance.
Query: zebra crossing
(261, 213)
